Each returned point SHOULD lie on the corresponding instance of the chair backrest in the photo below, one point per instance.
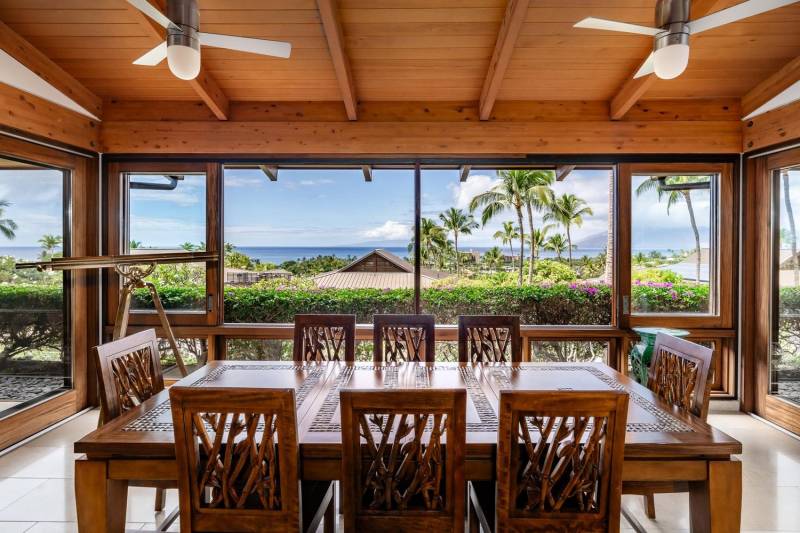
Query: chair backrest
(559, 460)
(237, 459)
(324, 338)
(403, 459)
(489, 339)
(128, 372)
(680, 373)
(400, 338)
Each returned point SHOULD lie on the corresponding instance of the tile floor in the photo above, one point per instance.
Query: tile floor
(36, 490)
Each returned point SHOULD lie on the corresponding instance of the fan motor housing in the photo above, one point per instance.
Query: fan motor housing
(185, 14)
(672, 16)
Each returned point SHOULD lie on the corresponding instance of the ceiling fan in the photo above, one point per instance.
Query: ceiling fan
(182, 47)
(670, 54)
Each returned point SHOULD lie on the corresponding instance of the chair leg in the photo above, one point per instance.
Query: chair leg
(161, 500)
(650, 505)
(330, 518)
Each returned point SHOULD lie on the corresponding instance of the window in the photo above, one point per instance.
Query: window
(167, 213)
(569, 351)
(34, 355)
(673, 243)
(313, 240)
(478, 256)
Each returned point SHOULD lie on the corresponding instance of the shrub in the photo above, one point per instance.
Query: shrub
(657, 275)
(552, 271)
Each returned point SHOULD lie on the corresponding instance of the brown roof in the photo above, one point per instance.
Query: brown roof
(348, 277)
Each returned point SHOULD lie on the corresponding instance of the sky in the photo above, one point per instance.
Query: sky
(36, 198)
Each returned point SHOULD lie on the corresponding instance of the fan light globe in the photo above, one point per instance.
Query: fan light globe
(670, 62)
(184, 61)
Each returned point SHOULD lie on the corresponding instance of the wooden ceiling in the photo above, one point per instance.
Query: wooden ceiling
(411, 50)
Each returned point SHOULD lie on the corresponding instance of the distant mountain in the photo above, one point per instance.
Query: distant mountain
(595, 241)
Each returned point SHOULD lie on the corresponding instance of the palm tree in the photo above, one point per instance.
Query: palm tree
(538, 238)
(792, 229)
(493, 258)
(674, 197)
(187, 246)
(510, 193)
(49, 244)
(538, 195)
(432, 236)
(507, 236)
(7, 226)
(458, 222)
(556, 243)
(568, 210)
(133, 245)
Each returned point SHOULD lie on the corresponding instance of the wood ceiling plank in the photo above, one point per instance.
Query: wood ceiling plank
(332, 27)
(24, 52)
(515, 13)
(771, 87)
(773, 128)
(204, 84)
(635, 88)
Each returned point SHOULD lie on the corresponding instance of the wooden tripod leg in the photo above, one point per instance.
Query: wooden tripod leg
(162, 315)
(123, 312)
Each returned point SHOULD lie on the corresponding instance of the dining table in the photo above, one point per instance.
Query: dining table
(662, 443)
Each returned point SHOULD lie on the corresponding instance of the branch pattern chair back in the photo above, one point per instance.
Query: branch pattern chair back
(324, 338)
(400, 338)
(680, 372)
(403, 460)
(129, 372)
(559, 460)
(237, 459)
(489, 339)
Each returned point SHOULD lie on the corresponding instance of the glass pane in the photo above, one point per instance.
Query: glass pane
(167, 213)
(473, 232)
(569, 351)
(673, 244)
(193, 351)
(786, 333)
(317, 241)
(34, 355)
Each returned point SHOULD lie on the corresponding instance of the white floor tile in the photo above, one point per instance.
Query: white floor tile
(15, 527)
(12, 489)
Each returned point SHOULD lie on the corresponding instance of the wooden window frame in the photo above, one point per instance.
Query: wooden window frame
(115, 221)
(726, 212)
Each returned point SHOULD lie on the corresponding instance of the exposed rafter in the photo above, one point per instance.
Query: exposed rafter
(367, 170)
(332, 26)
(634, 88)
(503, 48)
(270, 171)
(771, 87)
(562, 171)
(29, 56)
(464, 172)
(204, 85)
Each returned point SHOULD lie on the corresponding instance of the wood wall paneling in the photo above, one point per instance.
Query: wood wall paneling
(774, 128)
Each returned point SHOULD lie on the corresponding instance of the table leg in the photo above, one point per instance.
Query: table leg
(716, 503)
(101, 502)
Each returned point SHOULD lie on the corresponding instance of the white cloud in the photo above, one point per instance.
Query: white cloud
(178, 197)
(243, 181)
(390, 230)
(464, 192)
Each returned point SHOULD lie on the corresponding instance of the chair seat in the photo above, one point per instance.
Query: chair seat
(482, 502)
(316, 497)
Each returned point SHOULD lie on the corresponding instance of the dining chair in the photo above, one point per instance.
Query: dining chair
(237, 453)
(128, 373)
(559, 463)
(680, 374)
(403, 459)
(400, 338)
(324, 338)
(489, 339)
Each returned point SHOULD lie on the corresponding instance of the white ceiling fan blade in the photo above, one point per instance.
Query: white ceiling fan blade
(741, 11)
(151, 11)
(154, 56)
(612, 25)
(247, 44)
(648, 67)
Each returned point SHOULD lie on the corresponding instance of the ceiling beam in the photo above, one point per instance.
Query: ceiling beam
(771, 87)
(562, 171)
(503, 48)
(270, 171)
(367, 170)
(204, 84)
(332, 27)
(634, 88)
(464, 172)
(41, 65)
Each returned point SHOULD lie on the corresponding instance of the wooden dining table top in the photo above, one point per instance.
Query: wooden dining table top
(656, 430)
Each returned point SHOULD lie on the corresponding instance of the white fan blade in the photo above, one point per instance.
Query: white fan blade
(151, 11)
(154, 56)
(247, 44)
(735, 13)
(612, 25)
(648, 67)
